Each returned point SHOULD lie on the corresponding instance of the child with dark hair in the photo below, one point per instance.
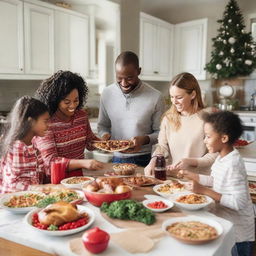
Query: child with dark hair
(21, 163)
(69, 132)
(228, 178)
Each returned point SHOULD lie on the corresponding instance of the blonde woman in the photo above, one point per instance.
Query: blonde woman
(181, 133)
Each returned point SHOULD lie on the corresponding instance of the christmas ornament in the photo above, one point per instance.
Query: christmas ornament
(221, 53)
(227, 61)
(229, 21)
(231, 40)
(248, 62)
(232, 50)
(218, 66)
(224, 41)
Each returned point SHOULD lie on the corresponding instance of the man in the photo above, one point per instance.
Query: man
(130, 110)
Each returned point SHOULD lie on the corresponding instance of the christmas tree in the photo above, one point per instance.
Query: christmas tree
(233, 52)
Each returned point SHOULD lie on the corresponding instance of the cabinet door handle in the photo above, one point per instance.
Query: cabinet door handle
(156, 72)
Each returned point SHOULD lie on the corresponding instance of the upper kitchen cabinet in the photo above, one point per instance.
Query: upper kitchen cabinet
(72, 42)
(39, 47)
(156, 44)
(26, 45)
(11, 34)
(190, 48)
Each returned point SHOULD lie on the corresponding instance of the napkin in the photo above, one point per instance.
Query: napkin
(128, 240)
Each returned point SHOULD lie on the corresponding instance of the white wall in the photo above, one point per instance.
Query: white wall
(190, 10)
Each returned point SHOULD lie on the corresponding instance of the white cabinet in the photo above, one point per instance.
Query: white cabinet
(26, 40)
(39, 46)
(190, 48)
(72, 42)
(156, 44)
(11, 37)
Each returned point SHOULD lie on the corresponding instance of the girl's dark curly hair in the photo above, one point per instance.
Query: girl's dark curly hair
(55, 88)
(225, 122)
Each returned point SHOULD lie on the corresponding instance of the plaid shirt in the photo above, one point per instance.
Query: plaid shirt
(66, 140)
(20, 167)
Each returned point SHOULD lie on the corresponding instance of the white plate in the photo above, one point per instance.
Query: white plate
(28, 221)
(207, 221)
(6, 197)
(78, 185)
(190, 207)
(171, 192)
(149, 201)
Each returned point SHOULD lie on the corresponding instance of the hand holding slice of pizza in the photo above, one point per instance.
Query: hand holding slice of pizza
(113, 145)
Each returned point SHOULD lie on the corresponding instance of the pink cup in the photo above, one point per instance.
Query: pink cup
(58, 169)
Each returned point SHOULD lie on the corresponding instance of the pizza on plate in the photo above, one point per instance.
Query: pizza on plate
(113, 145)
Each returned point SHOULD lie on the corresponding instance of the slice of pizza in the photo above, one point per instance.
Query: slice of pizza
(113, 145)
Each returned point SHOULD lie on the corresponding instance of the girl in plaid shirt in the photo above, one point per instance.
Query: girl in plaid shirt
(21, 164)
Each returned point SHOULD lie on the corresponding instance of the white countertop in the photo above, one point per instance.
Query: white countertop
(249, 152)
(245, 113)
(13, 228)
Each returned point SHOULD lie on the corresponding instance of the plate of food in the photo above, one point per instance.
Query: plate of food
(193, 229)
(112, 145)
(76, 182)
(252, 188)
(242, 143)
(191, 201)
(66, 195)
(21, 202)
(124, 168)
(60, 219)
(172, 187)
(158, 205)
(140, 181)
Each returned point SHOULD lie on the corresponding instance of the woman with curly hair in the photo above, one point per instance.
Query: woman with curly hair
(69, 133)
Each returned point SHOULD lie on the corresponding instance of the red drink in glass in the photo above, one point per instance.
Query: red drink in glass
(160, 168)
(58, 169)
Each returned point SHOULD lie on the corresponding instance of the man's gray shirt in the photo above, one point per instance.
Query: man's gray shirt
(128, 115)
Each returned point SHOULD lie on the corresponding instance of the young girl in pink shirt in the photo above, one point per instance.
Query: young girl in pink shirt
(21, 164)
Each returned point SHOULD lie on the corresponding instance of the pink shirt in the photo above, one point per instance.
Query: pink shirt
(66, 140)
(20, 168)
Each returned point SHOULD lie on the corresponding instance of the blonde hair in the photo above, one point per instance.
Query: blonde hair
(189, 83)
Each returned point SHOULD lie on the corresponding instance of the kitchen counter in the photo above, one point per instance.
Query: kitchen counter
(249, 152)
(245, 113)
(249, 156)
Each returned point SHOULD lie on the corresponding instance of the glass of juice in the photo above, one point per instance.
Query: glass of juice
(58, 169)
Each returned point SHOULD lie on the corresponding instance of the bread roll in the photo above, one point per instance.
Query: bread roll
(122, 189)
(58, 214)
(92, 186)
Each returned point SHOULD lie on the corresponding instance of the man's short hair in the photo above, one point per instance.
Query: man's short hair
(126, 58)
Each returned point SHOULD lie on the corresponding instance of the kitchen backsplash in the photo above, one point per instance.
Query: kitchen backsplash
(11, 90)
